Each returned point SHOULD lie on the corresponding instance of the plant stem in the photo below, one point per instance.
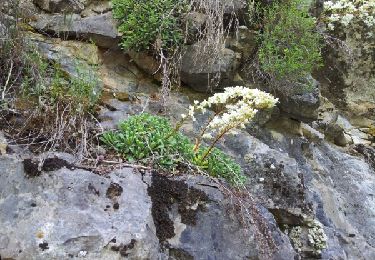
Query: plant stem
(199, 139)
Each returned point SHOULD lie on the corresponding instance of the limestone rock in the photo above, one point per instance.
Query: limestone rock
(61, 6)
(70, 214)
(3, 144)
(245, 42)
(347, 77)
(301, 106)
(99, 28)
(200, 70)
(65, 213)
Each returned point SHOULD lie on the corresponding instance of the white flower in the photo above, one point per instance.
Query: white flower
(346, 19)
(207, 136)
(183, 116)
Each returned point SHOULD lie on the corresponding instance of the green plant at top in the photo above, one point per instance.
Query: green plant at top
(152, 140)
(146, 24)
(290, 45)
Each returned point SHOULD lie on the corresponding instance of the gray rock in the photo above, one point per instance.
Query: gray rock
(61, 6)
(344, 184)
(3, 144)
(192, 207)
(233, 6)
(147, 63)
(301, 106)
(99, 28)
(76, 59)
(195, 22)
(245, 42)
(70, 214)
(64, 213)
(200, 71)
(347, 77)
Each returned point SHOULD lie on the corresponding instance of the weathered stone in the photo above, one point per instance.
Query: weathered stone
(75, 213)
(99, 28)
(245, 42)
(67, 214)
(195, 22)
(343, 139)
(61, 6)
(311, 134)
(187, 206)
(233, 6)
(301, 106)
(348, 77)
(147, 63)
(118, 73)
(200, 70)
(3, 144)
(96, 8)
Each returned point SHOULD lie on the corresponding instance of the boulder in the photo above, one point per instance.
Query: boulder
(203, 71)
(190, 207)
(101, 28)
(301, 106)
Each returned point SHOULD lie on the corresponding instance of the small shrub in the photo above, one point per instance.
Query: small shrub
(144, 24)
(152, 140)
(290, 46)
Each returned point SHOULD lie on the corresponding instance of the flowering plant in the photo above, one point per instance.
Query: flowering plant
(345, 11)
(235, 107)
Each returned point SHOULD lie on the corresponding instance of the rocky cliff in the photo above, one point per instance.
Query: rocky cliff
(310, 165)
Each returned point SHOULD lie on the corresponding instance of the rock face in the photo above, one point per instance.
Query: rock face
(61, 6)
(67, 213)
(74, 213)
(309, 199)
(200, 70)
(302, 178)
(100, 28)
(348, 77)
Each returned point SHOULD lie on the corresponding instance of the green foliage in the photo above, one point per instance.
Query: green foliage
(81, 90)
(48, 82)
(147, 137)
(144, 23)
(152, 139)
(221, 165)
(290, 47)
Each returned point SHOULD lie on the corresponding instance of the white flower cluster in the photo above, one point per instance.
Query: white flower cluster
(239, 105)
(345, 11)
